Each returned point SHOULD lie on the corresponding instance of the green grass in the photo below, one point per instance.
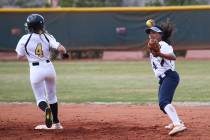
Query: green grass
(81, 82)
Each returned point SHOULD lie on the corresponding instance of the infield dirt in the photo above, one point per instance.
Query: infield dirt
(103, 122)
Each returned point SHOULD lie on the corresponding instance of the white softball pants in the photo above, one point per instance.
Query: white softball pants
(43, 82)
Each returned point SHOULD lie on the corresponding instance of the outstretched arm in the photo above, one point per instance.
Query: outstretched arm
(63, 52)
(62, 49)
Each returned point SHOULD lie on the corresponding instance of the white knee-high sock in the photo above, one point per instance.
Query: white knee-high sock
(171, 112)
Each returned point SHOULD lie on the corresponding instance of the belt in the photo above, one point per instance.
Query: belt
(37, 63)
(162, 76)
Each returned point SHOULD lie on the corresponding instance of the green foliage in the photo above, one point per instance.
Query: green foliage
(25, 3)
(82, 82)
(89, 3)
(67, 3)
(154, 3)
(184, 2)
(175, 2)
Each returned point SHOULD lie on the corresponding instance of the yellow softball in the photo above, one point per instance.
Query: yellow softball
(150, 23)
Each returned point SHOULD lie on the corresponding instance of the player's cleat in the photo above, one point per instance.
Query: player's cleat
(177, 129)
(48, 117)
(171, 125)
(54, 126)
(57, 126)
(42, 126)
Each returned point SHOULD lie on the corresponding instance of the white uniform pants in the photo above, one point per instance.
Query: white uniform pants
(43, 82)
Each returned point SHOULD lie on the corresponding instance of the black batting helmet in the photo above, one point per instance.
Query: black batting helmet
(34, 23)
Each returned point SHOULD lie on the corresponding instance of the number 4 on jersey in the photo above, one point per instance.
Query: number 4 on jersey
(38, 50)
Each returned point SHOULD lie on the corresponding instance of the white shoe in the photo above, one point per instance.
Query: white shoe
(42, 126)
(54, 126)
(171, 125)
(177, 129)
(57, 126)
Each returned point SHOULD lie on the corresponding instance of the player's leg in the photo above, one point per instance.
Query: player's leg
(52, 98)
(37, 84)
(43, 105)
(40, 95)
(166, 94)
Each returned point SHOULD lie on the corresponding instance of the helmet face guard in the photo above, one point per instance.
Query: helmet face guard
(34, 23)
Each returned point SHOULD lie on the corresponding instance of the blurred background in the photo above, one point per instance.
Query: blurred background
(107, 29)
(98, 3)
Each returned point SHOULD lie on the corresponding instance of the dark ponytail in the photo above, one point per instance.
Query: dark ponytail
(168, 29)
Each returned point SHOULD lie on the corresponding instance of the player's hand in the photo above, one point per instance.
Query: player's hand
(154, 47)
(156, 54)
(65, 56)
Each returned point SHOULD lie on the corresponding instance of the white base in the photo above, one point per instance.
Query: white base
(42, 126)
